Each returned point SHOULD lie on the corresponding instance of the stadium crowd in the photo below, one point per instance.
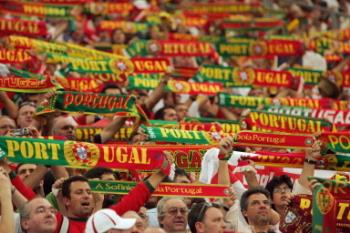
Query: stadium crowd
(157, 98)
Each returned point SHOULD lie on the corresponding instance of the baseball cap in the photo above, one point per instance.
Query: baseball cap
(107, 219)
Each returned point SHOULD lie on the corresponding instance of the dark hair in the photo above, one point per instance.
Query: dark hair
(97, 172)
(277, 181)
(197, 213)
(159, 115)
(328, 89)
(67, 183)
(249, 192)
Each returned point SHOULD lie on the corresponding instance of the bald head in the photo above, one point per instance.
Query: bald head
(64, 126)
(140, 224)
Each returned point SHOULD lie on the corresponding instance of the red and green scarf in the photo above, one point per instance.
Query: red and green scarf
(22, 27)
(90, 103)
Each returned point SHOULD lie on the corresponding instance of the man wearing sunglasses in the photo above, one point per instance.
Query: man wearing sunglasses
(206, 218)
(172, 214)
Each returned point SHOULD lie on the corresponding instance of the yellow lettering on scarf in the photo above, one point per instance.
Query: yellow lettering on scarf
(122, 154)
(29, 150)
(272, 77)
(342, 140)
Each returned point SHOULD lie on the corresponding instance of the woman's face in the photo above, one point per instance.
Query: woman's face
(281, 195)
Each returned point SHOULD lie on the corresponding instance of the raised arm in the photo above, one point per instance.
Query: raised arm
(7, 223)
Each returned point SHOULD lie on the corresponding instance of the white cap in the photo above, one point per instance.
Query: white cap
(107, 219)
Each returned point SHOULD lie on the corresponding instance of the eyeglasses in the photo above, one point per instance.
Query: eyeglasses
(173, 211)
(282, 190)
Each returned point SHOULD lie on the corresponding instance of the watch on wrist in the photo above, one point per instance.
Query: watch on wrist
(12, 175)
(310, 161)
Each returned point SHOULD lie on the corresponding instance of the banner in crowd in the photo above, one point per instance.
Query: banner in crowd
(170, 48)
(83, 154)
(311, 77)
(25, 85)
(38, 9)
(236, 77)
(336, 117)
(252, 23)
(227, 100)
(164, 189)
(13, 56)
(87, 133)
(79, 154)
(82, 65)
(125, 26)
(284, 123)
(330, 206)
(80, 84)
(338, 142)
(296, 160)
(151, 65)
(228, 126)
(175, 86)
(65, 49)
(158, 134)
(274, 140)
(206, 8)
(103, 8)
(22, 27)
(261, 49)
(90, 103)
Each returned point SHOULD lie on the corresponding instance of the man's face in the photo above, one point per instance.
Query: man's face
(175, 216)
(281, 195)
(258, 209)
(181, 111)
(170, 115)
(25, 170)
(213, 221)
(64, 127)
(108, 177)
(41, 218)
(6, 124)
(80, 203)
(25, 116)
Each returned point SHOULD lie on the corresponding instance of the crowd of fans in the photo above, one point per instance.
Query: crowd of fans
(36, 198)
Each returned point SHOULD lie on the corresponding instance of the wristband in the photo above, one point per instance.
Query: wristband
(149, 186)
(223, 157)
(12, 175)
(310, 161)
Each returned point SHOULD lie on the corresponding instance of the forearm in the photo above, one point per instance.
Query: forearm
(108, 132)
(223, 175)
(9, 105)
(155, 179)
(251, 179)
(155, 96)
(7, 223)
(308, 170)
(59, 172)
(18, 199)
